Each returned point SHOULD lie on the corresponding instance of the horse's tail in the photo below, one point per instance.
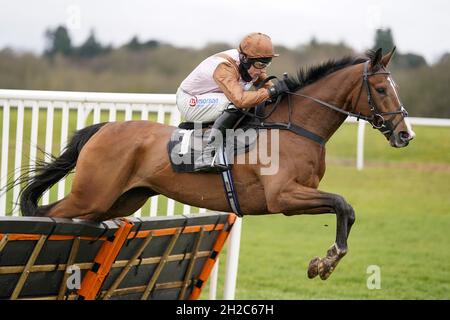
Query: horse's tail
(48, 173)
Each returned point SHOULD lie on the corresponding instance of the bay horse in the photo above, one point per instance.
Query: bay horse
(119, 165)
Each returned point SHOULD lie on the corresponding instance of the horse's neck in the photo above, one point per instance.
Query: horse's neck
(335, 89)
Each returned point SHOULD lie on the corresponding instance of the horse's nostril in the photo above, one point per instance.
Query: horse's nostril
(404, 136)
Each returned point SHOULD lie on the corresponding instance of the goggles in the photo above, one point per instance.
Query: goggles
(261, 63)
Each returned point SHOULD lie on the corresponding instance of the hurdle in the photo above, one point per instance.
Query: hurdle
(152, 258)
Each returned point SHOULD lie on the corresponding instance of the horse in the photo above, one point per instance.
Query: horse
(119, 165)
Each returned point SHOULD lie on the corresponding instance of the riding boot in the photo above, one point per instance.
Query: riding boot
(207, 161)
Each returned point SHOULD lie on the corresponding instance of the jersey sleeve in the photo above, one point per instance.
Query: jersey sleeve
(261, 78)
(227, 78)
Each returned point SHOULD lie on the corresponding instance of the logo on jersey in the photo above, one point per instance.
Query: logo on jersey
(193, 101)
(207, 101)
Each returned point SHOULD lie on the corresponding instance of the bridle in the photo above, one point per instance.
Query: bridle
(386, 127)
(377, 118)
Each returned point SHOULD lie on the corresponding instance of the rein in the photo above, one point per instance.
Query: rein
(274, 105)
(260, 124)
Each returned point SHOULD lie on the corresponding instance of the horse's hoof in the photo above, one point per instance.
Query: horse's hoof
(313, 268)
(325, 269)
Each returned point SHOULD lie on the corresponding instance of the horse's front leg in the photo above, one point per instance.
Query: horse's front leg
(297, 199)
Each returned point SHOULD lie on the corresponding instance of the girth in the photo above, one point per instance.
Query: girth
(293, 128)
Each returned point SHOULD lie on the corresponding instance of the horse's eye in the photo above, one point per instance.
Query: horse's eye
(381, 90)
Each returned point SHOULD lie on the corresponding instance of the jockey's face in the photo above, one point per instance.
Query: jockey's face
(255, 73)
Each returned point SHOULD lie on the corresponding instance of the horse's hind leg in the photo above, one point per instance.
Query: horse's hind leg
(124, 205)
(127, 204)
(82, 206)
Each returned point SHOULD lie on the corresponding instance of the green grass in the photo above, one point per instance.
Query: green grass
(432, 144)
(402, 226)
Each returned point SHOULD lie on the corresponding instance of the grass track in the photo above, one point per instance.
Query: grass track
(402, 226)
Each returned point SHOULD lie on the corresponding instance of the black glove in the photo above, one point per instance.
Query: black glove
(279, 88)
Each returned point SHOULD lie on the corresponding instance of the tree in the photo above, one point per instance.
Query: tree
(134, 44)
(91, 47)
(58, 41)
(384, 39)
(410, 61)
(152, 44)
(445, 58)
(313, 42)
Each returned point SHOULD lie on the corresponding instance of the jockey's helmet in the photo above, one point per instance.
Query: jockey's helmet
(257, 45)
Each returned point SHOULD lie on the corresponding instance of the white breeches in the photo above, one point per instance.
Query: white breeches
(201, 108)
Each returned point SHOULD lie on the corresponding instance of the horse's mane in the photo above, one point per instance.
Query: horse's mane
(312, 74)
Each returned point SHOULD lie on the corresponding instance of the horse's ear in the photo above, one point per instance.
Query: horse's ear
(387, 58)
(376, 59)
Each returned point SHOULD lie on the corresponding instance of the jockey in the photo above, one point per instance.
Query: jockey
(220, 85)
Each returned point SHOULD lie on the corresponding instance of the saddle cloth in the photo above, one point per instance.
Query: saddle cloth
(186, 145)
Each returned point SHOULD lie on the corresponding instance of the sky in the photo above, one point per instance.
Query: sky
(420, 27)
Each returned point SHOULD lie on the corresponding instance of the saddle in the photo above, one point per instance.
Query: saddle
(188, 141)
